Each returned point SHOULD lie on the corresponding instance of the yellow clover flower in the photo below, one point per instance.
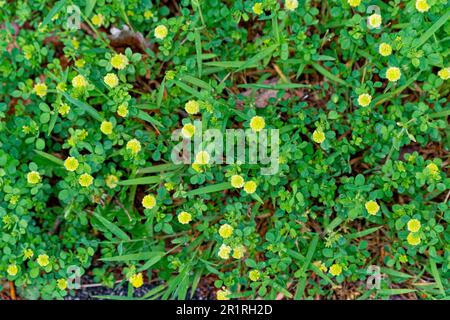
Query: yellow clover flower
(372, 207)
(422, 6)
(250, 187)
(71, 164)
(238, 251)
(375, 20)
(111, 80)
(149, 201)
(257, 123)
(188, 130)
(184, 217)
(111, 181)
(80, 63)
(64, 109)
(61, 284)
(335, 269)
(354, 3)
(393, 74)
(119, 61)
(40, 89)
(12, 270)
(254, 275)
(257, 8)
(414, 225)
(134, 146)
(106, 127)
(148, 14)
(122, 110)
(413, 239)
(33, 177)
(137, 280)
(192, 107)
(318, 136)
(222, 295)
(226, 231)
(364, 99)
(224, 252)
(85, 180)
(237, 181)
(444, 73)
(98, 20)
(79, 81)
(385, 49)
(291, 5)
(432, 168)
(28, 253)
(161, 32)
(43, 260)
(202, 158)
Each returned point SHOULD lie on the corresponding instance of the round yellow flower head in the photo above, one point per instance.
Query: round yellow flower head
(319, 264)
(375, 21)
(413, 239)
(111, 181)
(119, 61)
(80, 63)
(372, 207)
(122, 110)
(385, 49)
(444, 74)
(250, 187)
(148, 14)
(433, 168)
(188, 130)
(28, 253)
(79, 81)
(354, 3)
(335, 269)
(43, 260)
(111, 80)
(98, 19)
(257, 8)
(106, 127)
(137, 280)
(291, 5)
(71, 164)
(149, 201)
(64, 109)
(414, 225)
(225, 231)
(237, 181)
(257, 123)
(393, 74)
(238, 251)
(254, 275)
(422, 5)
(33, 177)
(364, 99)
(192, 107)
(222, 295)
(403, 258)
(40, 89)
(12, 270)
(134, 146)
(184, 217)
(202, 158)
(318, 136)
(85, 180)
(224, 252)
(62, 284)
(161, 32)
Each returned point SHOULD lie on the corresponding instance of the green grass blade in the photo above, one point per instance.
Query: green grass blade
(209, 189)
